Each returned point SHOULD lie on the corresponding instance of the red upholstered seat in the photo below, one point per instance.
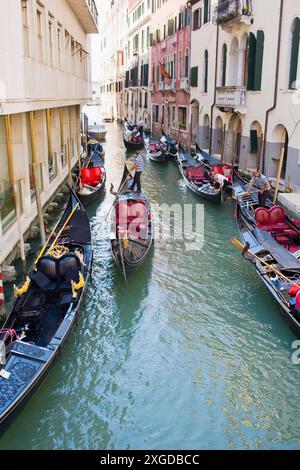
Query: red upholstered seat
(91, 176)
(262, 218)
(217, 170)
(195, 173)
(277, 219)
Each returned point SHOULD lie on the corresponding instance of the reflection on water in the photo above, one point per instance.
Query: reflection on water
(192, 353)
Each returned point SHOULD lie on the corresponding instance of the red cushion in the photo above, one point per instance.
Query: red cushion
(217, 170)
(277, 215)
(262, 218)
(85, 175)
(294, 289)
(195, 172)
(91, 176)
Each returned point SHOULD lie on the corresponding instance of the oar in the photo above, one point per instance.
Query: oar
(44, 247)
(118, 193)
(245, 250)
(63, 227)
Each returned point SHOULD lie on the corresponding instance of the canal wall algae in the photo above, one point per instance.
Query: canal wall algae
(191, 354)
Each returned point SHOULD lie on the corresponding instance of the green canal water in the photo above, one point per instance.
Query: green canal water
(191, 354)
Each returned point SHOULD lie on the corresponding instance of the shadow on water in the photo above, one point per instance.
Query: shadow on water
(190, 354)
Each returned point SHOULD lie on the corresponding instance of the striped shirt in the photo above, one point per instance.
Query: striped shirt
(139, 161)
(261, 181)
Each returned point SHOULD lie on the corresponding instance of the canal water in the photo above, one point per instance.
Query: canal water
(191, 354)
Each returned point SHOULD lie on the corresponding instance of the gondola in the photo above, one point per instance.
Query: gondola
(90, 182)
(170, 147)
(196, 173)
(133, 137)
(94, 145)
(46, 309)
(132, 234)
(154, 149)
(274, 238)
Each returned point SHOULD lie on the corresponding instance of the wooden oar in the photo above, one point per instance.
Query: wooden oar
(63, 227)
(245, 250)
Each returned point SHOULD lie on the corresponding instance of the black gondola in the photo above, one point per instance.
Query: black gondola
(132, 228)
(91, 181)
(133, 136)
(154, 149)
(196, 173)
(170, 147)
(275, 238)
(45, 310)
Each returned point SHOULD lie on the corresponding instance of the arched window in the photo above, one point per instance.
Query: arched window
(186, 65)
(224, 64)
(205, 87)
(294, 54)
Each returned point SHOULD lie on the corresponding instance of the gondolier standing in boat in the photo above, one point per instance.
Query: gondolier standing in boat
(263, 185)
(138, 166)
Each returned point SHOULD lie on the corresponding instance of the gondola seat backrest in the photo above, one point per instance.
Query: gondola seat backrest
(57, 271)
(68, 266)
(91, 176)
(85, 175)
(262, 218)
(195, 173)
(278, 219)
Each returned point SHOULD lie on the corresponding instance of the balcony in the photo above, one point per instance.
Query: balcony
(87, 14)
(164, 45)
(174, 39)
(231, 98)
(164, 86)
(152, 87)
(184, 84)
(233, 13)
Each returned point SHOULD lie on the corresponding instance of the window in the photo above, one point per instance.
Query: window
(146, 101)
(157, 73)
(174, 66)
(148, 36)
(142, 45)
(224, 64)
(173, 116)
(255, 60)
(40, 34)
(206, 12)
(194, 76)
(171, 25)
(25, 27)
(186, 67)
(7, 200)
(196, 22)
(59, 43)
(180, 65)
(155, 111)
(50, 39)
(205, 87)
(182, 117)
(294, 54)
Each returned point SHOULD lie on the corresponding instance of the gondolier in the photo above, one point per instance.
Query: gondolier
(263, 185)
(138, 166)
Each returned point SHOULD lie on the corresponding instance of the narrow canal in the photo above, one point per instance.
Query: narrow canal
(191, 354)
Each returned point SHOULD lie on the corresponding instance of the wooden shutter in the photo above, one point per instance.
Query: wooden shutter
(194, 76)
(253, 141)
(294, 54)
(151, 39)
(259, 60)
(146, 74)
(251, 61)
(224, 65)
(170, 26)
(206, 72)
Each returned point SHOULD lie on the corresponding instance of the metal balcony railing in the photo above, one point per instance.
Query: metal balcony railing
(232, 97)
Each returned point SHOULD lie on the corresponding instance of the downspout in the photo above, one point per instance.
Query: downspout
(262, 163)
(215, 91)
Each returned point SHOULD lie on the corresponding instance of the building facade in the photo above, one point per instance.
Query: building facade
(44, 80)
(171, 49)
(137, 96)
(113, 58)
(245, 72)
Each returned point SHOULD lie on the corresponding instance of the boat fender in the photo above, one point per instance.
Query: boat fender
(76, 286)
(23, 289)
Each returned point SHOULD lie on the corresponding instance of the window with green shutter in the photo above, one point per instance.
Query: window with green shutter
(205, 71)
(224, 64)
(294, 54)
(170, 26)
(251, 61)
(253, 141)
(259, 57)
(194, 76)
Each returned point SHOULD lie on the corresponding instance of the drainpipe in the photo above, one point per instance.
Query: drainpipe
(262, 163)
(215, 92)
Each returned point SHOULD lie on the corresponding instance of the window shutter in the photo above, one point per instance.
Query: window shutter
(170, 27)
(194, 76)
(151, 39)
(259, 60)
(180, 21)
(253, 141)
(146, 74)
(294, 54)
(206, 72)
(251, 61)
(224, 65)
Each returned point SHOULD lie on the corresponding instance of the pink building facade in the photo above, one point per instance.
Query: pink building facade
(171, 45)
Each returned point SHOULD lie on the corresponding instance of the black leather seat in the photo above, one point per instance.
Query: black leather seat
(56, 274)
